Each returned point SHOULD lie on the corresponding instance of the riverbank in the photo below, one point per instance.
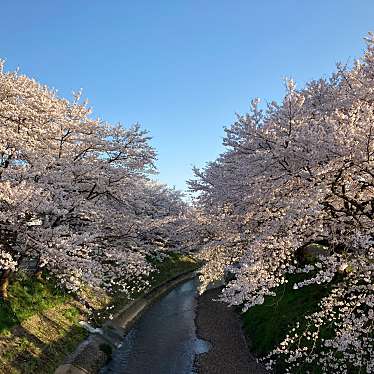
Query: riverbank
(222, 328)
(38, 326)
(45, 326)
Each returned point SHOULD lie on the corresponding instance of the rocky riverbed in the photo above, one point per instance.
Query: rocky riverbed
(221, 326)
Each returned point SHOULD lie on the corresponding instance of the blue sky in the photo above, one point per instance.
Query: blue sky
(180, 68)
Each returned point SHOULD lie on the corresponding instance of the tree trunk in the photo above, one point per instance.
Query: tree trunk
(38, 275)
(39, 271)
(4, 283)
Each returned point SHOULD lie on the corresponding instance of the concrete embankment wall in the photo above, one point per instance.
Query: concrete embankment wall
(93, 353)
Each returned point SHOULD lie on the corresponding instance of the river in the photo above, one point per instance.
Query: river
(163, 340)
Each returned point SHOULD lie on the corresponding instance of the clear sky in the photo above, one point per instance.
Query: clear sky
(180, 68)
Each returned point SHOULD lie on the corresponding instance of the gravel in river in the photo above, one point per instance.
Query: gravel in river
(221, 326)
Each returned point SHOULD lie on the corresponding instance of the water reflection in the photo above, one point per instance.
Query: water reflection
(164, 339)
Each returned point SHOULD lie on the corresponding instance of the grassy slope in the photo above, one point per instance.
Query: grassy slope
(39, 326)
(174, 265)
(267, 325)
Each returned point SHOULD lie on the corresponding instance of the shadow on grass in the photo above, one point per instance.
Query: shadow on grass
(32, 355)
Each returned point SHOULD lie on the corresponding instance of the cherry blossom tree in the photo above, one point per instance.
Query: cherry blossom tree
(75, 192)
(297, 173)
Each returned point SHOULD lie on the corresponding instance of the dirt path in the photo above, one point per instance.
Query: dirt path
(221, 326)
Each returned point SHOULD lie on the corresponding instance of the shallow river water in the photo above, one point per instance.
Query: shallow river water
(163, 340)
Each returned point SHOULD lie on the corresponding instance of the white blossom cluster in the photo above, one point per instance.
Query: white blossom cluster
(76, 193)
(294, 174)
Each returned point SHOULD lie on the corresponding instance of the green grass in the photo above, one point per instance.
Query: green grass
(170, 267)
(39, 323)
(72, 313)
(7, 317)
(28, 296)
(29, 355)
(267, 325)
